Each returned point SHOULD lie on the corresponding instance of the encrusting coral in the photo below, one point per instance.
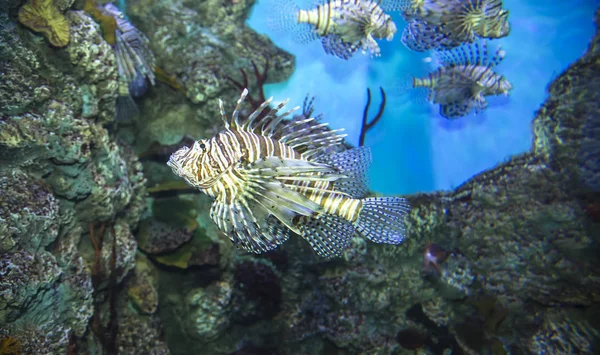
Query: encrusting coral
(45, 17)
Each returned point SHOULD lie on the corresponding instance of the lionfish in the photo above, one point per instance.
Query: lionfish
(271, 177)
(446, 24)
(135, 63)
(343, 26)
(465, 76)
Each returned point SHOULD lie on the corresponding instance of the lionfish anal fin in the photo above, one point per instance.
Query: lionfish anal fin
(328, 235)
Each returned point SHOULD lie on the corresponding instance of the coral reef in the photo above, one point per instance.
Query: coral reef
(79, 272)
(44, 16)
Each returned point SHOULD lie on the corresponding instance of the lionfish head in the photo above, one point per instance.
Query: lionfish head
(385, 29)
(498, 85)
(504, 86)
(494, 26)
(186, 162)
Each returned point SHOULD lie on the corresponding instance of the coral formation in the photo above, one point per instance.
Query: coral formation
(519, 237)
(207, 311)
(44, 16)
(260, 284)
(28, 213)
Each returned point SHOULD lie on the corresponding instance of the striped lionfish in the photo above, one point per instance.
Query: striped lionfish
(135, 63)
(449, 23)
(271, 178)
(463, 80)
(344, 26)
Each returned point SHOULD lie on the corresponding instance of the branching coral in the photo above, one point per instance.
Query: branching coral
(43, 16)
(261, 80)
(366, 126)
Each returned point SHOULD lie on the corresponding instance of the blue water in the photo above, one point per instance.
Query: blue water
(415, 149)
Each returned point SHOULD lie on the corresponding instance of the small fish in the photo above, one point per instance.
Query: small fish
(343, 26)
(434, 256)
(135, 63)
(466, 76)
(446, 24)
(271, 177)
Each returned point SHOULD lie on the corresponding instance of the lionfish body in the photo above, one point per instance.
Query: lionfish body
(135, 63)
(447, 24)
(343, 26)
(466, 76)
(272, 178)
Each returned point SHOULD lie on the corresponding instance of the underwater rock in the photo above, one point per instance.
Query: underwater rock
(143, 287)
(260, 285)
(207, 311)
(40, 340)
(125, 246)
(20, 86)
(559, 334)
(140, 335)
(25, 278)
(156, 237)
(28, 213)
(94, 68)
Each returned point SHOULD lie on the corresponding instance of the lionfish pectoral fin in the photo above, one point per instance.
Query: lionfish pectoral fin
(455, 109)
(395, 5)
(334, 45)
(354, 164)
(283, 17)
(382, 219)
(283, 167)
(328, 235)
(420, 36)
(248, 225)
(369, 44)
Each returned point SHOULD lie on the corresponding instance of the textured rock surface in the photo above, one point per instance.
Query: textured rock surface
(60, 171)
(522, 275)
(200, 43)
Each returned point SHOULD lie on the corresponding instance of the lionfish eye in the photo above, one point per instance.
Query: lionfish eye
(202, 146)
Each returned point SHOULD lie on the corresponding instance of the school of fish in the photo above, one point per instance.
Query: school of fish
(273, 175)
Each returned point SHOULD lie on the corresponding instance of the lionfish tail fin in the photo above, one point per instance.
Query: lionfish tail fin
(328, 235)
(283, 17)
(382, 219)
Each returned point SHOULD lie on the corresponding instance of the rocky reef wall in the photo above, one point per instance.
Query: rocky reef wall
(103, 251)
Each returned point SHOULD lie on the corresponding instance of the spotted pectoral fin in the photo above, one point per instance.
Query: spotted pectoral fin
(420, 36)
(456, 109)
(353, 164)
(336, 46)
(249, 226)
(277, 198)
(282, 167)
(328, 235)
(395, 5)
(286, 172)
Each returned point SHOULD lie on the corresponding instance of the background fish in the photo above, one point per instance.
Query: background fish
(272, 178)
(343, 26)
(135, 63)
(464, 78)
(449, 23)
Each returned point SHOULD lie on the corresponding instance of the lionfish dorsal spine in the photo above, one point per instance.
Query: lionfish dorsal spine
(256, 114)
(236, 111)
(223, 114)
